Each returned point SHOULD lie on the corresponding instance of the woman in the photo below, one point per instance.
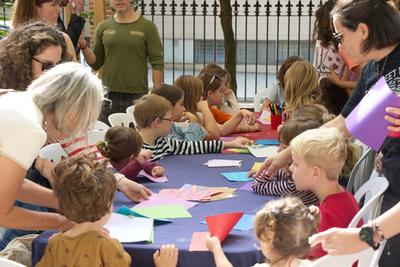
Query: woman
(26, 11)
(29, 51)
(367, 30)
(62, 102)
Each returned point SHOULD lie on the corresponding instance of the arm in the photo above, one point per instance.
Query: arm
(337, 241)
(277, 187)
(155, 54)
(209, 122)
(214, 245)
(180, 147)
(132, 190)
(96, 58)
(265, 105)
(158, 77)
(75, 27)
(13, 185)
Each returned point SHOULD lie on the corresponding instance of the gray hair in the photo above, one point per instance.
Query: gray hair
(72, 93)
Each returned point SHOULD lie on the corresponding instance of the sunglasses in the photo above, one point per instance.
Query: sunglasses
(338, 37)
(46, 65)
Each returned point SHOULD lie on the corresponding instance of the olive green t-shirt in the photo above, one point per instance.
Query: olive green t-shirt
(123, 50)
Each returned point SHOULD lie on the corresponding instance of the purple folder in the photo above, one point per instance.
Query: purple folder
(366, 122)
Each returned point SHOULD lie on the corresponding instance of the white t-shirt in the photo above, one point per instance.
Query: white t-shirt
(21, 132)
(303, 263)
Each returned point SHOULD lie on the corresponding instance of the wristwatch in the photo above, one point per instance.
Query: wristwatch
(367, 235)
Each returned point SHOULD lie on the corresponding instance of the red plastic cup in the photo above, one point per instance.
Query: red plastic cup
(276, 120)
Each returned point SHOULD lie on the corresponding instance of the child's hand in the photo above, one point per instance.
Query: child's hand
(158, 171)
(202, 105)
(167, 256)
(144, 156)
(248, 116)
(227, 91)
(240, 142)
(212, 242)
(378, 163)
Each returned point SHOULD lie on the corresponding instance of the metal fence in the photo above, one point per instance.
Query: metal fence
(266, 32)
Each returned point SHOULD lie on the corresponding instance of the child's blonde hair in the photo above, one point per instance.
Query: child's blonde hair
(150, 107)
(193, 88)
(312, 111)
(286, 224)
(301, 85)
(120, 143)
(326, 148)
(84, 188)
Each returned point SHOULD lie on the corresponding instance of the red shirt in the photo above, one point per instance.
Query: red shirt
(337, 210)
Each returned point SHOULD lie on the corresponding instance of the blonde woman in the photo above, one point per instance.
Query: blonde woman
(61, 103)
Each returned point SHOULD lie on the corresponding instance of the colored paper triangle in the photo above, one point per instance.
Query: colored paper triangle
(221, 224)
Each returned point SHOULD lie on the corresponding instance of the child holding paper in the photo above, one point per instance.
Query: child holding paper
(282, 227)
(122, 146)
(153, 115)
(319, 156)
(85, 190)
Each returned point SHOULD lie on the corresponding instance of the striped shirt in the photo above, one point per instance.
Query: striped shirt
(165, 146)
(282, 185)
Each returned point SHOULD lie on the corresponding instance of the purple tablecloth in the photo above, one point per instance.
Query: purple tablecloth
(239, 246)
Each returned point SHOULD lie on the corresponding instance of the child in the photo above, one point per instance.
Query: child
(301, 86)
(153, 115)
(85, 190)
(276, 93)
(283, 184)
(282, 227)
(183, 128)
(319, 156)
(122, 146)
(229, 104)
(213, 92)
(197, 109)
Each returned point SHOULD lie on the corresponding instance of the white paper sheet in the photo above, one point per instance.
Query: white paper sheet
(129, 229)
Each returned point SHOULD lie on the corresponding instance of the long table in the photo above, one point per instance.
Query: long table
(240, 247)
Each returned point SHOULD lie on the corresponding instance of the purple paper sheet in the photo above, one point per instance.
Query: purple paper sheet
(246, 187)
(366, 122)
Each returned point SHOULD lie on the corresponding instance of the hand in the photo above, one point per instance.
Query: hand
(394, 118)
(187, 116)
(227, 91)
(158, 171)
(167, 256)
(272, 164)
(378, 163)
(82, 42)
(332, 76)
(248, 116)
(338, 241)
(144, 156)
(240, 142)
(212, 242)
(64, 224)
(77, 6)
(134, 191)
(202, 105)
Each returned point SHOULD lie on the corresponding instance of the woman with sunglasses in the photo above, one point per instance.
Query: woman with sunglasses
(368, 30)
(27, 52)
(47, 11)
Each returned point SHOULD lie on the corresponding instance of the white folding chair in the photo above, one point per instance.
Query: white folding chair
(129, 111)
(120, 119)
(361, 171)
(366, 258)
(372, 190)
(53, 152)
(99, 126)
(258, 99)
(9, 263)
(96, 136)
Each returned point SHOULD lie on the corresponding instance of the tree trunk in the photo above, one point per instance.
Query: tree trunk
(229, 41)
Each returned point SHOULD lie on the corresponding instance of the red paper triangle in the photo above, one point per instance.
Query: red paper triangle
(221, 224)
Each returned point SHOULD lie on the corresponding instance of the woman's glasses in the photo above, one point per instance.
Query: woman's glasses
(338, 36)
(46, 65)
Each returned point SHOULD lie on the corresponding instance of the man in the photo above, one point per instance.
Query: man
(123, 45)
